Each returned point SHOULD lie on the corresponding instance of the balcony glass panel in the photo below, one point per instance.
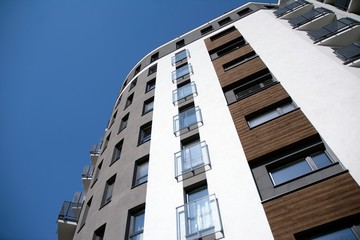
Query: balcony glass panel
(349, 53)
(95, 149)
(180, 56)
(309, 16)
(187, 120)
(198, 219)
(181, 72)
(70, 211)
(184, 93)
(192, 161)
(87, 172)
(289, 8)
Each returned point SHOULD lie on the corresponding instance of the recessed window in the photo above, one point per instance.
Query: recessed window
(133, 84)
(124, 122)
(270, 114)
(224, 21)
(244, 12)
(238, 61)
(106, 142)
(136, 227)
(206, 30)
(145, 133)
(108, 191)
(148, 106)
(125, 83)
(113, 119)
(222, 33)
(117, 152)
(86, 211)
(118, 101)
(129, 100)
(180, 44)
(141, 171)
(137, 69)
(227, 48)
(99, 233)
(154, 57)
(150, 85)
(152, 69)
(97, 172)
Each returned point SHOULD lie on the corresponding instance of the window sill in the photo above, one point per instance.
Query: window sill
(103, 205)
(144, 113)
(137, 185)
(140, 143)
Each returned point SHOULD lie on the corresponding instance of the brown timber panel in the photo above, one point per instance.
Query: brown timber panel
(315, 205)
(222, 40)
(273, 135)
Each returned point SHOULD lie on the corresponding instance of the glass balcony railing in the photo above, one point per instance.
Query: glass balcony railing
(95, 149)
(180, 56)
(184, 93)
(88, 172)
(290, 8)
(182, 72)
(187, 121)
(198, 219)
(191, 161)
(349, 53)
(70, 211)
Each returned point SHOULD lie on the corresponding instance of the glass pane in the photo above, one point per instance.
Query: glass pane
(198, 194)
(287, 108)
(290, 171)
(137, 237)
(187, 118)
(182, 71)
(148, 106)
(343, 234)
(180, 56)
(139, 222)
(184, 91)
(321, 160)
(142, 173)
(263, 118)
(191, 157)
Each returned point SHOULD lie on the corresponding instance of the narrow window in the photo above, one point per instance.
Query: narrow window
(109, 187)
(117, 152)
(154, 57)
(86, 211)
(244, 12)
(99, 233)
(222, 33)
(133, 84)
(227, 48)
(113, 119)
(152, 69)
(141, 171)
(137, 69)
(136, 227)
(129, 100)
(118, 101)
(106, 142)
(148, 105)
(145, 133)
(97, 172)
(224, 21)
(150, 85)
(238, 61)
(206, 30)
(124, 122)
(180, 44)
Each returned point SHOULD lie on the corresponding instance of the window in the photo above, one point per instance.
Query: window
(150, 85)
(238, 61)
(124, 122)
(206, 30)
(129, 100)
(342, 4)
(137, 69)
(141, 171)
(148, 105)
(136, 227)
(184, 92)
(125, 83)
(154, 57)
(109, 187)
(118, 101)
(97, 172)
(180, 44)
(106, 142)
(133, 84)
(244, 12)
(182, 71)
(227, 48)
(188, 119)
(270, 114)
(113, 119)
(145, 133)
(224, 21)
(222, 33)
(152, 69)
(117, 152)
(299, 167)
(86, 211)
(180, 57)
(99, 233)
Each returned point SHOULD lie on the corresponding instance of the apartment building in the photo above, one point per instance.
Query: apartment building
(246, 127)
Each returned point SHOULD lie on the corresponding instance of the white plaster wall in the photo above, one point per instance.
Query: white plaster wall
(325, 89)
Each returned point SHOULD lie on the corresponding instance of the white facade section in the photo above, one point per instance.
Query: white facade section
(325, 90)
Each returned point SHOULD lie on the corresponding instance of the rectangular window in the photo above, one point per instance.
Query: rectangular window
(137, 69)
(224, 21)
(106, 142)
(99, 233)
(118, 101)
(150, 85)
(154, 57)
(113, 119)
(133, 84)
(206, 30)
(141, 171)
(145, 133)
(148, 105)
(129, 100)
(187, 120)
(86, 211)
(222, 33)
(152, 69)
(124, 122)
(97, 172)
(117, 152)
(180, 44)
(108, 191)
(238, 61)
(227, 48)
(244, 12)
(136, 228)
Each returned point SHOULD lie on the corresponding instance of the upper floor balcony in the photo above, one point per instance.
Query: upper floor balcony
(87, 176)
(184, 93)
(199, 219)
(180, 57)
(94, 153)
(191, 161)
(182, 72)
(187, 121)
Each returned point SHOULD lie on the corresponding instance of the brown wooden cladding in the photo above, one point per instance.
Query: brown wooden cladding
(273, 135)
(322, 203)
(222, 40)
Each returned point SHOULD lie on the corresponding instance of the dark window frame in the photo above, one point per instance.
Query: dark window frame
(129, 100)
(117, 152)
(145, 133)
(108, 191)
(150, 85)
(124, 122)
(154, 57)
(146, 103)
(137, 181)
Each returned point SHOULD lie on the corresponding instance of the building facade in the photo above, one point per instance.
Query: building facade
(243, 128)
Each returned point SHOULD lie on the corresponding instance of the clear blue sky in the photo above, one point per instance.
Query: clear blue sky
(61, 65)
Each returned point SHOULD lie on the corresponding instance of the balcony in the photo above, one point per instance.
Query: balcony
(87, 176)
(199, 219)
(180, 57)
(187, 121)
(312, 20)
(182, 73)
(291, 8)
(184, 93)
(191, 161)
(350, 54)
(69, 216)
(94, 153)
